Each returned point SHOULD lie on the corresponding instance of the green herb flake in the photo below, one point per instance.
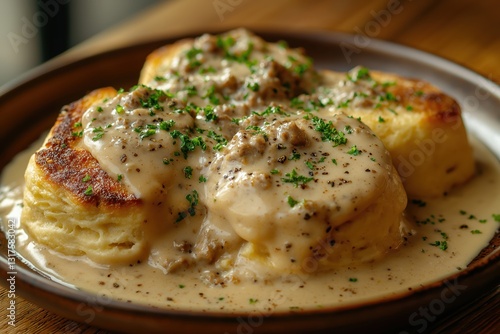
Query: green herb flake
(354, 151)
(188, 144)
(274, 171)
(191, 55)
(254, 87)
(77, 134)
(353, 279)
(210, 95)
(188, 172)
(328, 131)
(295, 156)
(381, 120)
(418, 202)
(119, 109)
(292, 202)
(443, 245)
(496, 217)
(119, 177)
(220, 140)
(86, 178)
(89, 191)
(202, 179)
(363, 73)
(253, 301)
(99, 132)
(476, 232)
(282, 44)
(296, 179)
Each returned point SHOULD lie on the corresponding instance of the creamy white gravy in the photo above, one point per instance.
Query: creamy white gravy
(463, 218)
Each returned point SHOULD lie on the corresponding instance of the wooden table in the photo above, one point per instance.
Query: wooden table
(466, 32)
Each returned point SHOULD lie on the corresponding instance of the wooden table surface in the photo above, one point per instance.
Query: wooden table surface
(464, 31)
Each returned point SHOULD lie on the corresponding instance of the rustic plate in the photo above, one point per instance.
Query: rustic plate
(29, 106)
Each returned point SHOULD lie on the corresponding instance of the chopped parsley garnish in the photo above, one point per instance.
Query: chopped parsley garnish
(334, 161)
(418, 202)
(309, 164)
(205, 70)
(409, 108)
(166, 125)
(282, 44)
(188, 172)
(300, 69)
(210, 115)
(99, 132)
(496, 217)
(381, 120)
(221, 141)
(292, 202)
(119, 109)
(354, 151)
(274, 171)
(202, 179)
(119, 177)
(271, 110)
(328, 131)
(363, 73)
(89, 191)
(254, 87)
(77, 133)
(191, 56)
(253, 301)
(193, 199)
(188, 144)
(147, 133)
(225, 43)
(476, 232)
(296, 179)
(296, 103)
(86, 178)
(99, 109)
(191, 90)
(295, 156)
(154, 100)
(443, 245)
(353, 279)
(210, 95)
(388, 84)
(256, 130)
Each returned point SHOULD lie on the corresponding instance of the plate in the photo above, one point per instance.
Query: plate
(29, 106)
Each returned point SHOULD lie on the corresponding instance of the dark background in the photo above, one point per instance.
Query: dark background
(34, 31)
